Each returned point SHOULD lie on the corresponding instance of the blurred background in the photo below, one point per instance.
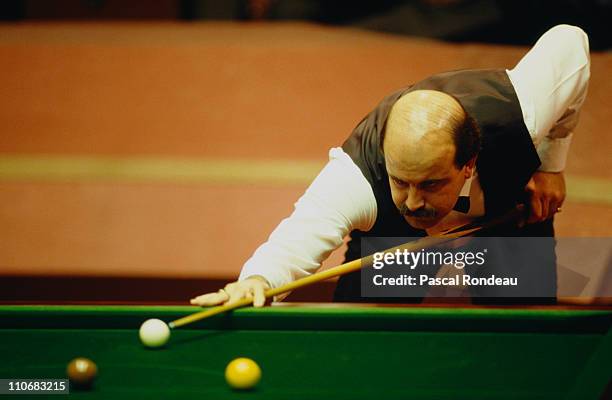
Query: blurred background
(147, 148)
(488, 21)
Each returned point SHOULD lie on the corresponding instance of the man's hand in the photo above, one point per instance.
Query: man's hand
(546, 192)
(253, 287)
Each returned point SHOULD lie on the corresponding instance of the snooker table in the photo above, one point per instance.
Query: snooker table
(319, 351)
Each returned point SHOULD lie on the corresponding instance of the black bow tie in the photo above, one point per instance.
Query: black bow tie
(462, 205)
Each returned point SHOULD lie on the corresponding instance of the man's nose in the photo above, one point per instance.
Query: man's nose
(414, 200)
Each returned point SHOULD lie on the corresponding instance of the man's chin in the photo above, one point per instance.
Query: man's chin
(421, 223)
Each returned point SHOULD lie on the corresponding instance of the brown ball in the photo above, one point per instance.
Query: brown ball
(82, 372)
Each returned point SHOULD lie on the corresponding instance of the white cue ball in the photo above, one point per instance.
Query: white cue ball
(154, 333)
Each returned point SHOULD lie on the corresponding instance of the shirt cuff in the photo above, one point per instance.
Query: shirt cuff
(553, 153)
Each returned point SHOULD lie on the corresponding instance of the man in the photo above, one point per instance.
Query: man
(453, 147)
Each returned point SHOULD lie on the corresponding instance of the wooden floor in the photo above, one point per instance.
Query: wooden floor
(219, 106)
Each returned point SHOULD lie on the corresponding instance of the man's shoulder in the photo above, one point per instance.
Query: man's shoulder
(465, 83)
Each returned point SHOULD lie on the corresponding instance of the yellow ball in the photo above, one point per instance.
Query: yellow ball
(242, 373)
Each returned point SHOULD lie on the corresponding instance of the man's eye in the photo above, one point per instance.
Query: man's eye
(429, 184)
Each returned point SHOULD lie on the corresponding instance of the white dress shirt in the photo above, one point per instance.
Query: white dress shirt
(550, 82)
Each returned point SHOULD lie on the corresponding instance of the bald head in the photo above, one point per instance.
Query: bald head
(424, 113)
(423, 120)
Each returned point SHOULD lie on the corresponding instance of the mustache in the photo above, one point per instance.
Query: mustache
(420, 213)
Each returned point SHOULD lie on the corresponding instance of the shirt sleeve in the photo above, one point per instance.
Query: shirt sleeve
(551, 83)
(339, 200)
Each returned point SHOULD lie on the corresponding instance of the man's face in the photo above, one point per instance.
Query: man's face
(425, 182)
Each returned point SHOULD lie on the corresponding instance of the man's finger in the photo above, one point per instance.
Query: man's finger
(535, 210)
(259, 298)
(544, 213)
(199, 299)
(209, 299)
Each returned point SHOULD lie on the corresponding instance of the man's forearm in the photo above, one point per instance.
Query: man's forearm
(339, 200)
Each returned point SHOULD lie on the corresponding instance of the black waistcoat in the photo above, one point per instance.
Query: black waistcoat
(506, 161)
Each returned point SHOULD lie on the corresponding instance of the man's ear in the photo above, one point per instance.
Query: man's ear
(470, 167)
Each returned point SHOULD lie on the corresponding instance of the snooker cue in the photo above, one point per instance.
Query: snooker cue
(515, 214)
